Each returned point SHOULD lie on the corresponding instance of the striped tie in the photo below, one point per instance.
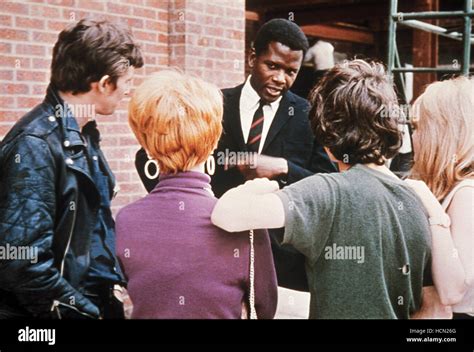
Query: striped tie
(255, 134)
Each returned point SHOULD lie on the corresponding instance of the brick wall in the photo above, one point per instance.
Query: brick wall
(205, 38)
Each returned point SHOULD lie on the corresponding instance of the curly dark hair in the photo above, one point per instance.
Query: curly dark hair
(90, 49)
(355, 113)
(283, 31)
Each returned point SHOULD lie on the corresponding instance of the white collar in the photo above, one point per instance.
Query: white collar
(252, 98)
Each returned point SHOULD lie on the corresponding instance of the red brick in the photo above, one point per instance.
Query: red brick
(136, 2)
(112, 163)
(42, 11)
(156, 49)
(57, 26)
(24, 22)
(119, 201)
(29, 49)
(234, 13)
(224, 22)
(41, 63)
(13, 7)
(11, 115)
(163, 61)
(224, 43)
(194, 28)
(120, 9)
(39, 89)
(13, 34)
(179, 5)
(141, 12)
(129, 187)
(190, 16)
(27, 102)
(35, 76)
(4, 129)
(150, 60)
(177, 38)
(12, 88)
(5, 48)
(239, 35)
(234, 55)
(191, 39)
(145, 36)
(215, 10)
(239, 45)
(45, 37)
(115, 128)
(217, 32)
(69, 3)
(159, 26)
(115, 153)
(178, 27)
(196, 51)
(6, 20)
(215, 53)
(133, 22)
(6, 102)
(158, 4)
(122, 176)
(13, 62)
(163, 16)
(163, 38)
(6, 75)
(196, 6)
(90, 5)
(206, 41)
(209, 20)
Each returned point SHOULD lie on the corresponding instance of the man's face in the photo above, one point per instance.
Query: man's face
(111, 98)
(275, 70)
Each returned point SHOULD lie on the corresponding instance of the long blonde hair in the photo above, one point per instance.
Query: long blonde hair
(444, 116)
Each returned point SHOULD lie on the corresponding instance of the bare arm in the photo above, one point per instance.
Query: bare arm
(252, 205)
(448, 271)
(462, 229)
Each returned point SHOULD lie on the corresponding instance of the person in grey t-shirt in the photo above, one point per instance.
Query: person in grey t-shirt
(364, 232)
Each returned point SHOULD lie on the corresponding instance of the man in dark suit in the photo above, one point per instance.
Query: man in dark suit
(266, 132)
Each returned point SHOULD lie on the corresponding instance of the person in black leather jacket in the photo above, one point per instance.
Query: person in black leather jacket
(56, 186)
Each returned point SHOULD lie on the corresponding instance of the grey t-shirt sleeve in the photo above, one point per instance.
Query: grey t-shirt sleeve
(310, 206)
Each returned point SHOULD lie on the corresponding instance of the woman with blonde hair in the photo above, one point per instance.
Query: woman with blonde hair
(177, 263)
(443, 163)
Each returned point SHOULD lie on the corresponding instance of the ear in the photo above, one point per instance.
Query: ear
(105, 85)
(331, 156)
(252, 58)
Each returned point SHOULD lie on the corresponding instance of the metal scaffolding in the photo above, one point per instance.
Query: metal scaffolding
(411, 19)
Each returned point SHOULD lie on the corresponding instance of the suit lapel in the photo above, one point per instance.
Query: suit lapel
(282, 115)
(232, 113)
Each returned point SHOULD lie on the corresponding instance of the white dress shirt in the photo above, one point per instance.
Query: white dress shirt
(249, 101)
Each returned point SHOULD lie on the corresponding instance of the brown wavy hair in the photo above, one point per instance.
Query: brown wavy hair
(90, 49)
(355, 113)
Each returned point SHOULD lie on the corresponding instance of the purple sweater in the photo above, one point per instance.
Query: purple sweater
(179, 265)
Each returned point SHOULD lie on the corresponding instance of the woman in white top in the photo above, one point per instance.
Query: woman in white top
(443, 162)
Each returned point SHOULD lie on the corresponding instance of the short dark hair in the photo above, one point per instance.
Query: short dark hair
(90, 49)
(355, 113)
(282, 31)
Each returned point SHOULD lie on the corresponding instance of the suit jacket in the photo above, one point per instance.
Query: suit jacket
(290, 137)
